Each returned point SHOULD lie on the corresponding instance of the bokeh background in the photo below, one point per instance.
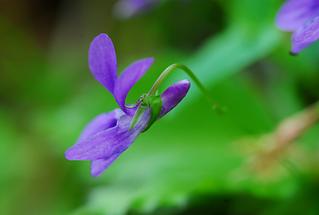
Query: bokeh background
(194, 161)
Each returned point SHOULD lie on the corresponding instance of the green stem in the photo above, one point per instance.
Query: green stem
(189, 72)
(169, 70)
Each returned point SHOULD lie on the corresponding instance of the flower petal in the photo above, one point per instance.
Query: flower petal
(106, 143)
(98, 166)
(294, 13)
(127, 80)
(128, 8)
(305, 35)
(102, 61)
(173, 95)
(101, 122)
(101, 145)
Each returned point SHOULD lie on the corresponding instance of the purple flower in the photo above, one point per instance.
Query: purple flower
(302, 18)
(129, 8)
(110, 134)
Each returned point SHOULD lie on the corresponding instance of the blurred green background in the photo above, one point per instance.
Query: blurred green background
(193, 161)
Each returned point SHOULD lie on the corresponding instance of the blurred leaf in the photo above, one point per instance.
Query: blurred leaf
(248, 38)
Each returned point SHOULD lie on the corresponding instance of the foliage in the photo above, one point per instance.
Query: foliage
(195, 161)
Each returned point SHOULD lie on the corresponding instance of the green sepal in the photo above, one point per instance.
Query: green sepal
(155, 104)
(137, 115)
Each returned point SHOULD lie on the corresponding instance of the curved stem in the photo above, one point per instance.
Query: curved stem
(169, 70)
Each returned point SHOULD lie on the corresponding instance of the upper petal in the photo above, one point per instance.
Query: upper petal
(127, 80)
(294, 13)
(173, 95)
(304, 36)
(102, 61)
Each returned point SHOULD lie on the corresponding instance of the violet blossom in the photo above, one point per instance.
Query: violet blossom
(302, 18)
(108, 135)
(129, 8)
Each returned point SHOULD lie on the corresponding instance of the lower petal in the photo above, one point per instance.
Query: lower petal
(101, 122)
(106, 143)
(98, 166)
